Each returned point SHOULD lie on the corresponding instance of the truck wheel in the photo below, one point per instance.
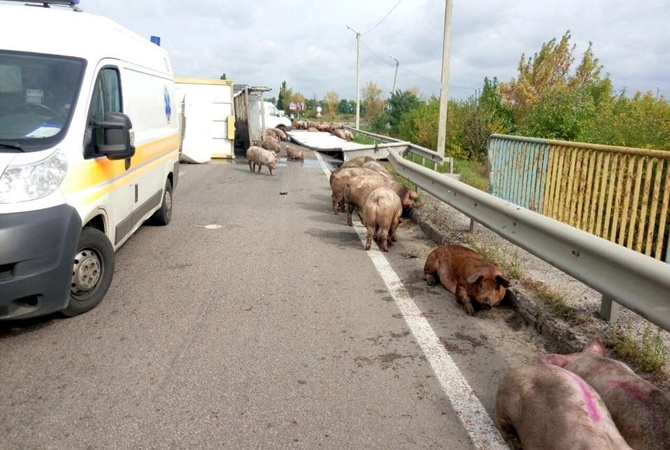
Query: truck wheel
(92, 272)
(163, 215)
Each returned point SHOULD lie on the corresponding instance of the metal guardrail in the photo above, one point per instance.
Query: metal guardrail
(415, 149)
(638, 282)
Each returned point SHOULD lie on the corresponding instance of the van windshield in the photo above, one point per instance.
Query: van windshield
(37, 98)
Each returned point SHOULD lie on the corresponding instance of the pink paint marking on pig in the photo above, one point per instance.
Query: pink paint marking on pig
(630, 387)
(639, 397)
(591, 403)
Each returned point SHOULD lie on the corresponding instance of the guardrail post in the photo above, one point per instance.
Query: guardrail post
(609, 310)
(472, 225)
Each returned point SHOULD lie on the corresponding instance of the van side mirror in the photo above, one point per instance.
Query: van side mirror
(114, 132)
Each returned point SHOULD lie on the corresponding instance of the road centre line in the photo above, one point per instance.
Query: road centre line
(467, 406)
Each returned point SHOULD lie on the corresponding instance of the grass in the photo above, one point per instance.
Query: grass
(508, 264)
(649, 353)
(472, 173)
(361, 139)
(554, 300)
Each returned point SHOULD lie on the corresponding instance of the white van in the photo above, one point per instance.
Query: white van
(274, 118)
(89, 150)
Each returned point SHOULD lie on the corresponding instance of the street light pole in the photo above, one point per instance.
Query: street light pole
(358, 69)
(395, 77)
(444, 98)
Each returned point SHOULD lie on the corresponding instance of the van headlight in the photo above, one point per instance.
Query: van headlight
(24, 182)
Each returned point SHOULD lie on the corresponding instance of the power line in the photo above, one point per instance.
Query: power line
(419, 75)
(384, 18)
(378, 57)
(403, 67)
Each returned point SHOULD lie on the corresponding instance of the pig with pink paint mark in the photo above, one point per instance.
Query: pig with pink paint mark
(547, 407)
(640, 410)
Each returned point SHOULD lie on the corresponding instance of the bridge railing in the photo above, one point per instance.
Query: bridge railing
(617, 193)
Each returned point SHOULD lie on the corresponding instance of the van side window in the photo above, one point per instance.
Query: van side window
(106, 97)
(112, 90)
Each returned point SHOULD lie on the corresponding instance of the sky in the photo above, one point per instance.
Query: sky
(308, 44)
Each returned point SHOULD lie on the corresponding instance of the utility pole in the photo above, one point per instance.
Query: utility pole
(358, 70)
(444, 97)
(395, 77)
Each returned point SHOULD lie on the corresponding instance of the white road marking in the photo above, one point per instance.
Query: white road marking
(468, 408)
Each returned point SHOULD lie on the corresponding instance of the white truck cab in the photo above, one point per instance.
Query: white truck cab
(273, 118)
(89, 150)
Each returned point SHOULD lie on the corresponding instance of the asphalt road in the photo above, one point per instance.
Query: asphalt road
(256, 320)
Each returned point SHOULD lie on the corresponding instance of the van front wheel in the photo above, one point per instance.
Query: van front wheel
(163, 215)
(92, 272)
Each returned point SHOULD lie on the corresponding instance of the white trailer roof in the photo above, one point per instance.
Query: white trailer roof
(323, 141)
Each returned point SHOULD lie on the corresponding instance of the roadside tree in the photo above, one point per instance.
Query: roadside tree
(374, 104)
(331, 100)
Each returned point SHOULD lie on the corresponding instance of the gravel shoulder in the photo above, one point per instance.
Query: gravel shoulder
(446, 225)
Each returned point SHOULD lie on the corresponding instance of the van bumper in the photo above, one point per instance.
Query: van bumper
(37, 251)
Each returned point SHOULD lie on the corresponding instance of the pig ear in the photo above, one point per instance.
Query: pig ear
(595, 347)
(502, 281)
(475, 278)
(555, 360)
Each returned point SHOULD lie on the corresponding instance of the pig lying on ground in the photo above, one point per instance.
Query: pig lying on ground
(639, 409)
(339, 132)
(547, 407)
(258, 156)
(339, 180)
(293, 152)
(476, 283)
(358, 188)
(381, 216)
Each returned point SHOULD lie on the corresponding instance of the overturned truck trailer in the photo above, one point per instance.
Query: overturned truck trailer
(207, 122)
(253, 115)
(247, 103)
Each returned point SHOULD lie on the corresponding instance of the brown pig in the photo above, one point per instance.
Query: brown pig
(293, 152)
(359, 187)
(640, 410)
(339, 180)
(269, 144)
(356, 162)
(374, 165)
(381, 216)
(277, 133)
(258, 156)
(547, 407)
(339, 132)
(476, 283)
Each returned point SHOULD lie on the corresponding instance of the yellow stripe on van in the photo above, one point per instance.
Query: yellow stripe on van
(103, 175)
